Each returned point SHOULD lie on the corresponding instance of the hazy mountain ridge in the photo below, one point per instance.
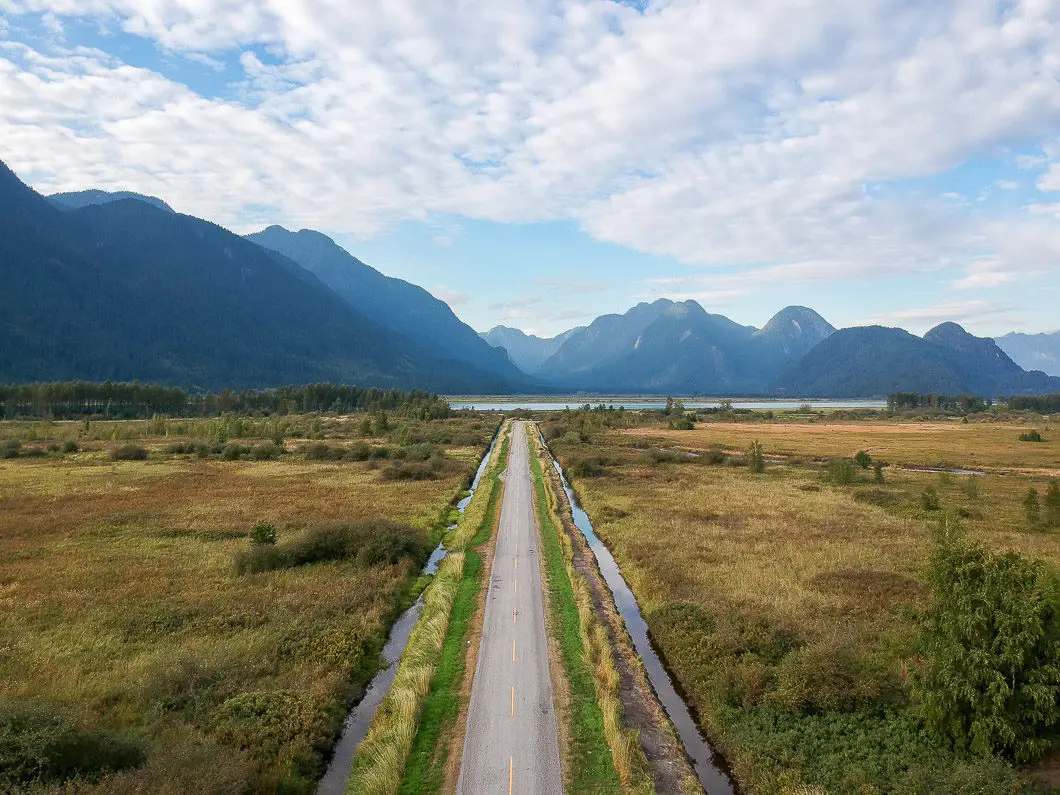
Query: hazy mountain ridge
(527, 351)
(1033, 351)
(75, 200)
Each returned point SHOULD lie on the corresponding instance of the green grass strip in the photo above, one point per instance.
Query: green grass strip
(590, 758)
(425, 767)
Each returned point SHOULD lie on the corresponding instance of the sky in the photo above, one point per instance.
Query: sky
(537, 163)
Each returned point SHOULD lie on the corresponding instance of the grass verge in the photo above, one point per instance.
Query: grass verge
(424, 698)
(602, 756)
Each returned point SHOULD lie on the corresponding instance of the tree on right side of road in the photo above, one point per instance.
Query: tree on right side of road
(990, 678)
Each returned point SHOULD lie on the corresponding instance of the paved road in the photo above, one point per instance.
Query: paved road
(511, 744)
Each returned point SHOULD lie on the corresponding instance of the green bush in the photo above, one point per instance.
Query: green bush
(756, 460)
(263, 533)
(1031, 436)
(1032, 507)
(70, 446)
(234, 452)
(40, 744)
(841, 472)
(990, 679)
(129, 452)
(367, 543)
(863, 459)
(411, 470)
(822, 678)
(1052, 503)
(930, 500)
(265, 451)
(10, 448)
(322, 452)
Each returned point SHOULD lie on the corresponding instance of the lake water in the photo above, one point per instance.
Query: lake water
(574, 402)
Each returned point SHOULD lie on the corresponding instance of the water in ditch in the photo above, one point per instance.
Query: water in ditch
(709, 768)
(360, 718)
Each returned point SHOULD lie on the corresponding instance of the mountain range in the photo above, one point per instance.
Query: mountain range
(1033, 351)
(679, 348)
(118, 286)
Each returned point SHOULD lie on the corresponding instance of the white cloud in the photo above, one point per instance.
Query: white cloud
(454, 298)
(725, 132)
(922, 318)
(1050, 180)
(1007, 184)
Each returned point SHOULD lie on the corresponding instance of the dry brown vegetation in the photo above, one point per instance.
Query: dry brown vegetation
(122, 614)
(784, 602)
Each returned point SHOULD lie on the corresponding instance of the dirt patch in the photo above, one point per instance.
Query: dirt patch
(641, 711)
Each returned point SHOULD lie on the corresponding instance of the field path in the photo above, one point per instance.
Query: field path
(511, 742)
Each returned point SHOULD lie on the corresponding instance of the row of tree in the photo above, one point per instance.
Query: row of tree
(966, 404)
(78, 399)
(1043, 404)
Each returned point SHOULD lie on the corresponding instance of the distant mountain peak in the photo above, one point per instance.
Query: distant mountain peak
(75, 200)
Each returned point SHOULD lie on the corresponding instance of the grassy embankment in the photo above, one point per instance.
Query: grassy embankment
(407, 744)
(134, 657)
(602, 755)
(784, 602)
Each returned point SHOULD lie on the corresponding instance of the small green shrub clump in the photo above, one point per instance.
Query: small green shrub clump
(129, 452)
(39, 744)
(1052, 503)
(10, 448)
(592, 466)
(841, 472)
(263, 533)
(863, 459)
(366, 543)
(930, 500)
(877, 472)
(990, 680)
(1032, 507)
(756, 460)
(70, 446)
(265, 451)
(1031, 436)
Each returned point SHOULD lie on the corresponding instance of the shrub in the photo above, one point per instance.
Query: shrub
(1052, 503)
(70, 446)
(822, 678)
(841, 472)
(971, 487)
(863, 459)
(265, 451)
(367, 543)
(263, 533)
(756, 461)
(990, 679)
(10, 448)
(128, 452)
(587, 467)
(929, 499)
(877, 472)
(1031, 436)
(411, 470)
(40, 744)
(1032, 507)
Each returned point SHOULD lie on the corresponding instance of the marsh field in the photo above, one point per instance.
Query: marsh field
(789, 603)
(148, 644)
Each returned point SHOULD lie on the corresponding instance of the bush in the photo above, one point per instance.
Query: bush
(40, 744)
(841, 472)
(587, 467)
(70, 446)
(929, 499)
(990, 680)
(322, 452)
(822, 678)
(411, 470)
(265, 451)
(263, 533)
(1031, 436)
(863, 459)
(756, 460)
(367, 544)
(1032, 507)
(234, 452)
(129, 452)
(1052, 503)
(10, 448)
(877, 472)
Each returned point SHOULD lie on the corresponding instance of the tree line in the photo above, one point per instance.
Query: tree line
(965, 404)
(79, 399)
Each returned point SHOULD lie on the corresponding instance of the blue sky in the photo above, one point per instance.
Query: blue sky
(540, 162)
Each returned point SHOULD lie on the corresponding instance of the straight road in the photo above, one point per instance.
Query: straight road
(511, 744)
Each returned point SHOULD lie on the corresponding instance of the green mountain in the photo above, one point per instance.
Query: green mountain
(392, 303)
(681, 348)
(125, 290)
(874, 361)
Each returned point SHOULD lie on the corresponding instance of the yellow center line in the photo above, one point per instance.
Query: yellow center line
(511, 772)
(513, 702)
(517, 564)
(516, 586)
(513, 651)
